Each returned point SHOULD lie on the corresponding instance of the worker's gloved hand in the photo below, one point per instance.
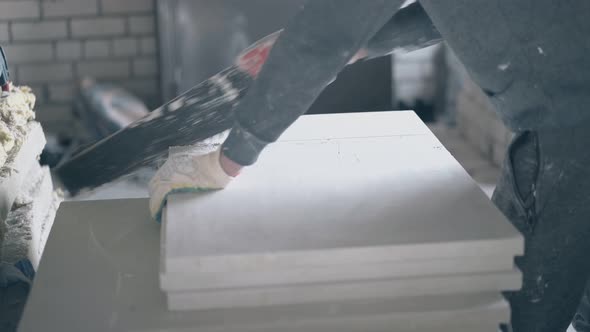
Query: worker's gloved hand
(186, 171)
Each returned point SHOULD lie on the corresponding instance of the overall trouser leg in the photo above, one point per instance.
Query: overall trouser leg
(545, 192)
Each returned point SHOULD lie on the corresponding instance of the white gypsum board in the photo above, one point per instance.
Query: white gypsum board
(343, 291)
(462, 320)
(107, 251)
(363, 317)
(482, 325)
(354, 125)
(100, 264)
(366, 325)
(194, 280)
(20, 164)
(338, 201)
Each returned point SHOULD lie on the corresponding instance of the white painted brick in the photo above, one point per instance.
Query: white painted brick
(39, 30)
(98, 27)
(4, 32)
(408, 91)
(53, 113)
(40, 95)
(104, 69)
(127, 6)
(142, 87)
(410, 70)
(145, 67)
(152, 101)
(14, 74)
(50, 72)
(97, 48)
(125, 46)
(69, 50)
(61, 92)
(147, 45)
(12, 10)
(26, 53)
(142, 24)
(147, 90)
(69, 8)
(65, 127)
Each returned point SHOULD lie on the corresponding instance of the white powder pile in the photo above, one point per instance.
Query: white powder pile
(16, 111)
(29, 222)
(28, 185)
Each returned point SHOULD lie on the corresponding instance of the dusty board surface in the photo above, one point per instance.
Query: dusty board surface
(353, 200)
(354, 125)
(113, 286)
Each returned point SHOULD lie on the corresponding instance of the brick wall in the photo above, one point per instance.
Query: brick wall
(413, 74)
(474, 115)
(52, 44)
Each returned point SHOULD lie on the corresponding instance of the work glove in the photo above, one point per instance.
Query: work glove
(186, 171)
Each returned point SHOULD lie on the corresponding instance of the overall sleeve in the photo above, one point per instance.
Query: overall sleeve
(314, 47)
(408, 30)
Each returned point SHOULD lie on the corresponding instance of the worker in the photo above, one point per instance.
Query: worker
(529, 56)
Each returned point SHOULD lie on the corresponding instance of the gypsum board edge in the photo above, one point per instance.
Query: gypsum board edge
(508, 247)
(357, 317)
(193, 280)
(341, 291)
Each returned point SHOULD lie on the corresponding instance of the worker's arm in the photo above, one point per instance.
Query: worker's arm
(310, 52)
(320, 40)
(409, 29)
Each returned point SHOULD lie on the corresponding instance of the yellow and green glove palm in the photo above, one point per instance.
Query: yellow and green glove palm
(186, 171)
